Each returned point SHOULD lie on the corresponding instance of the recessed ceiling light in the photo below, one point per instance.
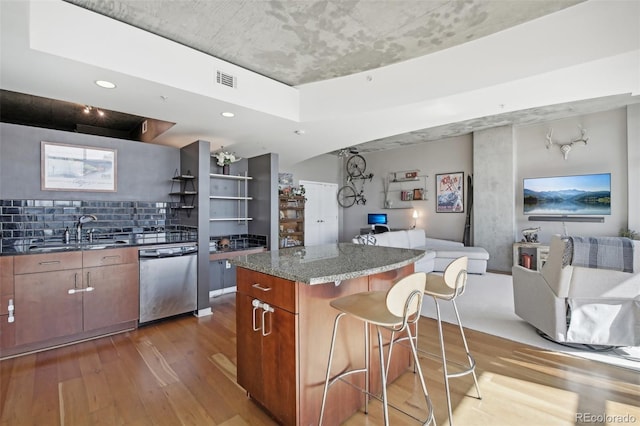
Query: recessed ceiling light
(105, 84)
(299, 132)
(227, 114)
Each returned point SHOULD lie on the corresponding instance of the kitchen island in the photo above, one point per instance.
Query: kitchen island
(284, 324)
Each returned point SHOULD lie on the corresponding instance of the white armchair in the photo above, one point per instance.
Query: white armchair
(579, 304)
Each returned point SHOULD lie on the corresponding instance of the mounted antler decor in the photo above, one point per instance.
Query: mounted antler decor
(565, 148)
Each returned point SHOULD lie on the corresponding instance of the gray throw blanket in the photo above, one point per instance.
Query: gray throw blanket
(614, 253)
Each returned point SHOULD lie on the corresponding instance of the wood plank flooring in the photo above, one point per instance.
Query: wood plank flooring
(182, 372)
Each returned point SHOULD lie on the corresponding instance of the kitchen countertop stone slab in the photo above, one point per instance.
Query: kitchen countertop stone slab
(328, 263)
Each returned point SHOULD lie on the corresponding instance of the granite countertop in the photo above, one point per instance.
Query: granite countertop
(328, 263)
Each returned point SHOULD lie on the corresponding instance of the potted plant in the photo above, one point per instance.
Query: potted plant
(223, 160)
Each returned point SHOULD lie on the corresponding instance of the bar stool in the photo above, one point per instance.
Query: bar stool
(448, 286)
(392, 310)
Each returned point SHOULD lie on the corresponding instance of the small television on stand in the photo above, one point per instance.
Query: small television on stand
(374, 219)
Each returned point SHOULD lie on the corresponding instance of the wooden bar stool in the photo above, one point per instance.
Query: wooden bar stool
(392, 310)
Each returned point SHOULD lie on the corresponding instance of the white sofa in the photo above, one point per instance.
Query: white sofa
(578, 304)
(439, 253)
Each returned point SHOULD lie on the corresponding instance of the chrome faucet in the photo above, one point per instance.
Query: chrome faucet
(85, 218)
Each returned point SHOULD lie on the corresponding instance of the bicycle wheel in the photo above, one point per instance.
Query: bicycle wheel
(356, 165)
(346, 196)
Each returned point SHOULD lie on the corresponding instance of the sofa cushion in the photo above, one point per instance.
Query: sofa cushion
(477, 253)
(415, 237)
(434, 243)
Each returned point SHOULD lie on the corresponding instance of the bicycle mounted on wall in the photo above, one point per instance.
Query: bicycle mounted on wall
(349, 194)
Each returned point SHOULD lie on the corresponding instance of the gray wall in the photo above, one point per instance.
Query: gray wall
(264, 190)
(144, 170)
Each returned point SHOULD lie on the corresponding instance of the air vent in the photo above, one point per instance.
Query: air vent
(225, 79)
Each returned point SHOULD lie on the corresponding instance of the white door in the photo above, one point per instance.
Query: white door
(320, 213)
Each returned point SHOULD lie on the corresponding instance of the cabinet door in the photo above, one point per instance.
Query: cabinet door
(279, 371)
(6, 283)
(114, 298)
(249, 348)
(44, 309)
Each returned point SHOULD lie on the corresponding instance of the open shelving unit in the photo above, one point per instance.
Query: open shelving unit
(240, 197)
(403, 187)
(291, 224)
(186, 191)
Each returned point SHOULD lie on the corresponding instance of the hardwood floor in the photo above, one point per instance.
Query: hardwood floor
(182, 371)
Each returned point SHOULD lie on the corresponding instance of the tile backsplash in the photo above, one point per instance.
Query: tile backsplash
(24, 220)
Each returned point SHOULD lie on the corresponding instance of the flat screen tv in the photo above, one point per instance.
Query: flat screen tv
(568, 195)
(377, 218)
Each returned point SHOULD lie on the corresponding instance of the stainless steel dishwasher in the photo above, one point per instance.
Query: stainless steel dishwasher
(168, 281)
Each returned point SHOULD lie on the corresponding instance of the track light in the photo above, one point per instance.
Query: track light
(88, 108)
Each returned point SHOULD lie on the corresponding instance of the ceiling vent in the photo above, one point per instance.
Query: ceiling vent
(225, 79)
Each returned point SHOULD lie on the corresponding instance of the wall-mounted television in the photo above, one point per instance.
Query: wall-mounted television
(376, 218)
(568, 195)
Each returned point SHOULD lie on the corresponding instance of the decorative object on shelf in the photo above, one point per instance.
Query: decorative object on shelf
(285, 182)
(450, 192)
(530, 235)
(565, 148)
(404, 175)
(223, 159)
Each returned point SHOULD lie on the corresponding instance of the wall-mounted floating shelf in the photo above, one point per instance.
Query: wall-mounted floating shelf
(187, 191)
(403, 187)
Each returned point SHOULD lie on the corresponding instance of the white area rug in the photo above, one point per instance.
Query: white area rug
(487, 306)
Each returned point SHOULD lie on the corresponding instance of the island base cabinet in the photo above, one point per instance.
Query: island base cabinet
(267, 362)
(285, 370)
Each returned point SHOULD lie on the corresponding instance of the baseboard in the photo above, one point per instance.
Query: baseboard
(218, 293)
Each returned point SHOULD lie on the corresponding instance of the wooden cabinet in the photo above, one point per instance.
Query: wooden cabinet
(291, 221)
(113, 275)
(266, 332)
(283, 346)
(7, 304)
(62, 295)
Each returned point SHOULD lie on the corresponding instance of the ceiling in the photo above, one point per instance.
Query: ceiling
(311, 77)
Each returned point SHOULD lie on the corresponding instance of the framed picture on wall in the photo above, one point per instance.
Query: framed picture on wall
(450, 192)
(77, 168)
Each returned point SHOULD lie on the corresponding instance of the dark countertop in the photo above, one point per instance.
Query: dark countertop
(328, 263)
(99, 244)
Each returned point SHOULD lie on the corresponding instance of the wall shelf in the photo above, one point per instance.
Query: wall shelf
(239, 195)
(187, 191)
(404, 187)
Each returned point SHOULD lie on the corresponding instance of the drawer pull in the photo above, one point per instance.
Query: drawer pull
(111, 257)
(79, 290)
(259, 287)
(50, 262)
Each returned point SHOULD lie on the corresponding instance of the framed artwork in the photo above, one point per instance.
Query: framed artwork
(77, 168)
(450, 192)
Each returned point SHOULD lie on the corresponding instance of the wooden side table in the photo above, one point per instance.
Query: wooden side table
(538, 255)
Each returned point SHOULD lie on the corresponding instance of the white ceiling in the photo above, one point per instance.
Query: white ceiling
(372, 74)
